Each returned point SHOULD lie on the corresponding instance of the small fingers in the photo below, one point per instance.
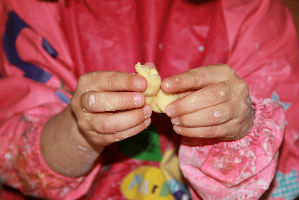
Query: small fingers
(197, 78)
(111, 81)
(111, 101)
(206, 97)
(130, 132)
(116, 122)
(211, 116)
(226, 130)
(106, 139)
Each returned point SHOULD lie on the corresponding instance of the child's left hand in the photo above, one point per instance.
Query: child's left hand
(219, 105)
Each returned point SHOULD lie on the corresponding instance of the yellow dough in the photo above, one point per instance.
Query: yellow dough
(154, 96)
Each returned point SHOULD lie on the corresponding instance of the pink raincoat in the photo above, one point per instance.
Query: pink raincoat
(46, 46)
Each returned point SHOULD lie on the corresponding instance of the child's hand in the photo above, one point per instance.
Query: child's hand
(109, 106)
(218, 107)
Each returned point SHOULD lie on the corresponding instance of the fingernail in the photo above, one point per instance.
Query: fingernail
(147, 122)
(150, 65)
(177, 129)
(147, 112)
(170, 110)
(138, 100)
(175, 121)
(167, 85)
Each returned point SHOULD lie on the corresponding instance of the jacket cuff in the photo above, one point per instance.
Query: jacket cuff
(37, 177)
(226, 166)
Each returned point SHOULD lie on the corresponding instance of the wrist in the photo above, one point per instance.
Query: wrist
(64, 148)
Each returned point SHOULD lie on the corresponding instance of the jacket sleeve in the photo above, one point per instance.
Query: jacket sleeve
(36, 75)
(262, 51)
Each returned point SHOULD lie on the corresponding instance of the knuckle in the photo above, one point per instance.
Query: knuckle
(182, 121)
(230, 110)
(105, 126)
(223, 90)
(196, 77)
(243, 87)
(111, 79)
(226, 68)
(83, 125)
(213, 94)
(81, 80)
(219, 116)
(245, 106)
(242, 105)
(177, 107)
(101, 125)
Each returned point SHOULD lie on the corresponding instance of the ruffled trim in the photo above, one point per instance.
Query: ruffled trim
(36, 177)
(227, 164)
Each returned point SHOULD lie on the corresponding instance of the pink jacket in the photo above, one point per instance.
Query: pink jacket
(46, 46)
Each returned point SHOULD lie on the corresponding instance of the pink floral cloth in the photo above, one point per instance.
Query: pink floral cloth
(46, 46)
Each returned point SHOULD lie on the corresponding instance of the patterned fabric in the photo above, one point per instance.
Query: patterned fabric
(288, 186)
(250, 161)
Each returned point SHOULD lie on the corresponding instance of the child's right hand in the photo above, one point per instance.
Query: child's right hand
(110, 107)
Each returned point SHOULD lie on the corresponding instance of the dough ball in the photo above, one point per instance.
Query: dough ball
(163, 99)
(152, 77)
(154, 96)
